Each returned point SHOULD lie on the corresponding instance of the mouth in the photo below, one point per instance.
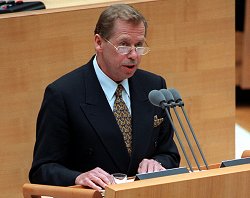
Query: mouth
(129, 66)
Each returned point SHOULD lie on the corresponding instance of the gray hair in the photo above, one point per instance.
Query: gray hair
(123, 12)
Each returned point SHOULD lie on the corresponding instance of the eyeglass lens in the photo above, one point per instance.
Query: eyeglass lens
(127, 50)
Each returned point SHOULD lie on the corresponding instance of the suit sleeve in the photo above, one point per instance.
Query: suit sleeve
(52, 145)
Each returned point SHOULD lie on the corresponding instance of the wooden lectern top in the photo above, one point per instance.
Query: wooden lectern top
(229, 182)
(38, 191)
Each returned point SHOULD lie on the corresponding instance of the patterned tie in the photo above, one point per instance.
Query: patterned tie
(123, 118)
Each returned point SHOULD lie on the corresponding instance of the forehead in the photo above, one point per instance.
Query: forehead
(128, 30)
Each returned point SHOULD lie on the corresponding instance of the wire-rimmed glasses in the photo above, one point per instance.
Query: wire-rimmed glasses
(123, 50)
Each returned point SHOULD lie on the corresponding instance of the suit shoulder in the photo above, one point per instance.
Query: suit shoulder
(149, 77)
(69, 80)
(74, 77)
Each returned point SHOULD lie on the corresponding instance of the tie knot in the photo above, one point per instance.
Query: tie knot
(118, 92)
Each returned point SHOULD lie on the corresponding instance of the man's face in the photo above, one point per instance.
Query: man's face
(117, 66)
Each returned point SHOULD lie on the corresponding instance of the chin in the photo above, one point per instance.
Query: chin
(131, 74)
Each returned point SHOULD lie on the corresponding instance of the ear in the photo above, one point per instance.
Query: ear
(98, 43)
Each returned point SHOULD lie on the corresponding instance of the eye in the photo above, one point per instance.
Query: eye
(140, 44)
(124, 43)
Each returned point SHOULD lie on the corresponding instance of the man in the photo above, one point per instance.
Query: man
(82, 135)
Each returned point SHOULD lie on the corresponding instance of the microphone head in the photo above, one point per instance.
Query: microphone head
(168, 95)
(176, 95)
(156, 98)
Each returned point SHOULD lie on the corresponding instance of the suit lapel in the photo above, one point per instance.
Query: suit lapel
(101, 117)
(142, 121)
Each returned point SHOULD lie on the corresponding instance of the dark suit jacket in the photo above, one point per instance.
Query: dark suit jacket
(77, 131)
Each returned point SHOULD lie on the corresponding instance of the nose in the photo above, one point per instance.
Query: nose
(133, 54)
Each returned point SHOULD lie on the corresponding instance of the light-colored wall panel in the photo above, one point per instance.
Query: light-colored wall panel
(192, 46)
(245, 67)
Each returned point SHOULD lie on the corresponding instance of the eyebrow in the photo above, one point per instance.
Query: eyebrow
(128, 40)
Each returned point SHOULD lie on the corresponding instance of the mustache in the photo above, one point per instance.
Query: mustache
(131, 62)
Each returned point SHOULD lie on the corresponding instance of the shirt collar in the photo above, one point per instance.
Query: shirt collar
(108, 85)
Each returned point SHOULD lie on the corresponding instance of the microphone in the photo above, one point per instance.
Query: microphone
(170, 100)
(176, 96)
(158, 99)
(180, 103)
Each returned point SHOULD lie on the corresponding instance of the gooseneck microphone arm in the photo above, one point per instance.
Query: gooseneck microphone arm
(158, 99)
(180, 103)
(196, 141)
(170, 100)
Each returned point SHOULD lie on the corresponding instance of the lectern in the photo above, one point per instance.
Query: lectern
(228, 182)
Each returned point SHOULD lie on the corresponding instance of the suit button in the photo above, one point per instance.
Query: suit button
(90, 151)
(156, 144)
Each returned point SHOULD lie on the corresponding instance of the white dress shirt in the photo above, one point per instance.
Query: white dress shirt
(109, 87)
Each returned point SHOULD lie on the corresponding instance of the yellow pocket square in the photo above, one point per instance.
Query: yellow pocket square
(157, 121)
